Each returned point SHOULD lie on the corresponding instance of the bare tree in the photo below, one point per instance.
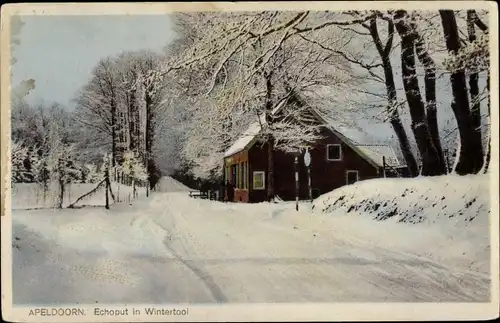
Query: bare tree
(429, 65)
(96, 104)
(471, 152)
(392, 107)
(254, 77)
(474, 21)
(431, 163)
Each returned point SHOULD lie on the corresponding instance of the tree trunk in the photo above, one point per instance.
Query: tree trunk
(428, 152)
(474, 93)
(150, 134)
(270, 171)
(270, 139)
(61, 194)
(430, 98)
(488, 148)
(392, 109)
(132, 111)
(395, 120)
(121, 128)
(471, 152)
(113, 132)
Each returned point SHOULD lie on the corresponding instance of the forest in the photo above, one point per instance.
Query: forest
(146, 114)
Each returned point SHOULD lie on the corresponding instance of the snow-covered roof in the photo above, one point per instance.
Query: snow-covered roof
(352, 134)
(377, 152)
(245, 138)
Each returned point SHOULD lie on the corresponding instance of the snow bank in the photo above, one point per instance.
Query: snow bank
(443, 218)
(32, 195)
(453, 199)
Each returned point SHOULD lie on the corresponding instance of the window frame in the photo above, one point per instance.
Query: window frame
(259, 172)
(328, 150)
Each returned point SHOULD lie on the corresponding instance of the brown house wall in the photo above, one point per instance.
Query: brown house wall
(328, 175)
(325, 175)
(257, 161)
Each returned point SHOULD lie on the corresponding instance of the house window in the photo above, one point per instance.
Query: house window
(351, 176)
(234, 175)
(244, 176)
(240, 183)
(238, 174)
(259, 180)
(333, 152)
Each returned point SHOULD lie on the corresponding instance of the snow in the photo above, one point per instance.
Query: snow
(168, 184)
(246, 138)
(377, 152)
(170, 248)
(31, 195)
(352, 134)
(457, 207)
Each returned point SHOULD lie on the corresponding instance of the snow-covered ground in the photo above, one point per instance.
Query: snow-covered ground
(170, 248)
(168, 184)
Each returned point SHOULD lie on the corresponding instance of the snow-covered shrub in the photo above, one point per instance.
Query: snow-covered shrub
(133, 167)
(20, 154)
(61, 164)
(92, 174)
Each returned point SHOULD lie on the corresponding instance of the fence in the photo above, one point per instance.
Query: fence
(32, 195)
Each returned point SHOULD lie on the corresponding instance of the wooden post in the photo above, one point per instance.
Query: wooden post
(309, 183)
(118, 191)
(383, 166)
(307, 162)
(106, 174)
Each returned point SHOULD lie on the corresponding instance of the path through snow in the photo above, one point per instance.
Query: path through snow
(171, 248)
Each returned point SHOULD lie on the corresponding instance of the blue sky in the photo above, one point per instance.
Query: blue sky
(59, 52)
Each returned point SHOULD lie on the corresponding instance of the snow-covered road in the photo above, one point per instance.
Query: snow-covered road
(170, 248)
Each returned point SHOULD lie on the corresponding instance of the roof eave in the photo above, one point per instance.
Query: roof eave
(246, 147)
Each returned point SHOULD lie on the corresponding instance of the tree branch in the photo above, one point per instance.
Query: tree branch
(336, 23)
(479, 23)
(352, 60)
